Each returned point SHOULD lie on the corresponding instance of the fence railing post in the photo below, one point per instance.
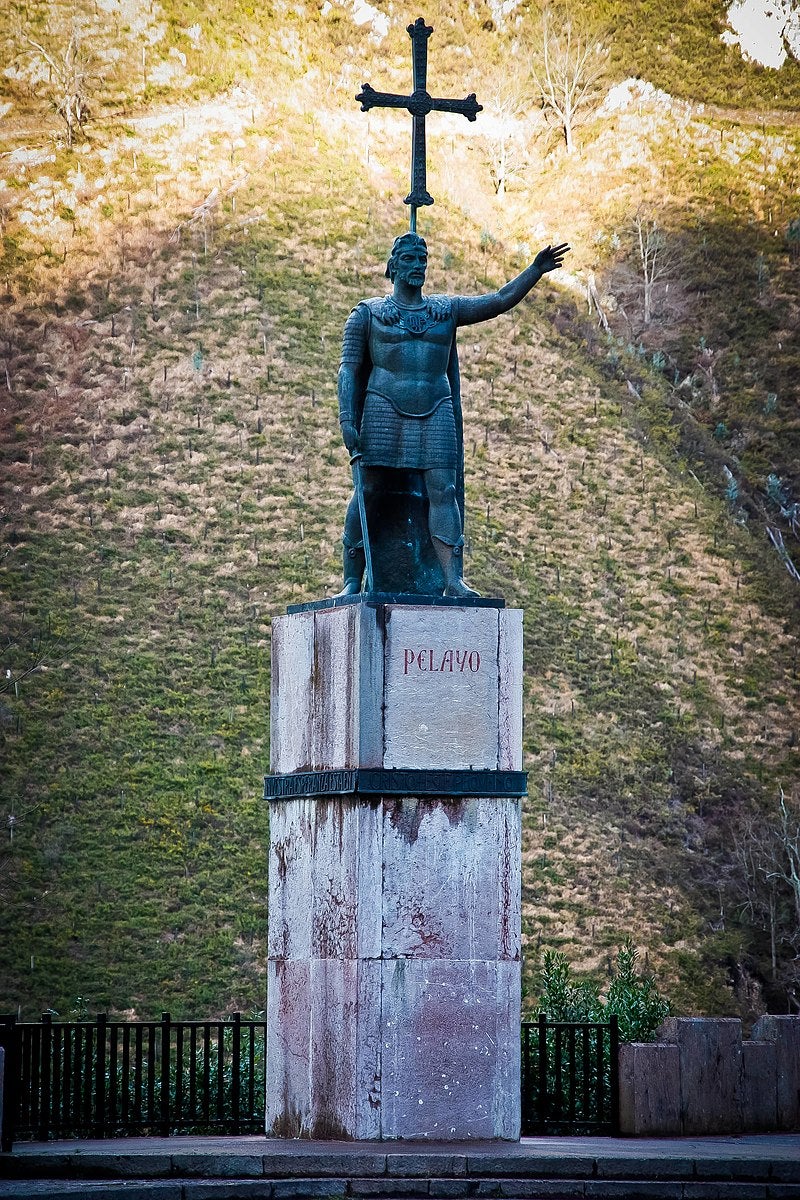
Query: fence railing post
(541, 1099)
(46, 1077)
(613, 1065)
(101, 1037)
(166, 1048)
(236, 1083)
(9, 1099)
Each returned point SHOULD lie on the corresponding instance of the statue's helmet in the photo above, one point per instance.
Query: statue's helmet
(405, 241)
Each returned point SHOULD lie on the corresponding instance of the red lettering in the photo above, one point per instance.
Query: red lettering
(424, 660)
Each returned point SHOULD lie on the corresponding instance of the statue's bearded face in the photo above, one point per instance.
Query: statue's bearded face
(411, 265)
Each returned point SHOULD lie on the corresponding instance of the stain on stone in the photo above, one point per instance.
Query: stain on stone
(327, 1128)
(288, 1125)
(406, 816)
(282, 855)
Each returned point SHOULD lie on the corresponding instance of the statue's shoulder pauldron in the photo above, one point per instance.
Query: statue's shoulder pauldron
(440, 307)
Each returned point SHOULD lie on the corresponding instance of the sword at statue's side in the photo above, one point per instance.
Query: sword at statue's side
(358, 484)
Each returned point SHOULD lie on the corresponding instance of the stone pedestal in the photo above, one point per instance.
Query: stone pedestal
(394, 876)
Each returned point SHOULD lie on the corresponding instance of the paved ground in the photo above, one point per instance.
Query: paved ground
(258, 1168)
(777, 1146)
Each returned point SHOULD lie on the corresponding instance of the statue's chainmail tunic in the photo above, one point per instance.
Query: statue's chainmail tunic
(389, 437)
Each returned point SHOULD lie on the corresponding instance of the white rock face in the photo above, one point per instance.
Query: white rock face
(766, 31)
(367, 14)
(633, 91)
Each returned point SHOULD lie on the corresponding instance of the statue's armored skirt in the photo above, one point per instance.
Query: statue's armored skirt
(393, 439)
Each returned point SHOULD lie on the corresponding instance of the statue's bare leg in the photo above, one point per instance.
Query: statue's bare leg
(444, 523)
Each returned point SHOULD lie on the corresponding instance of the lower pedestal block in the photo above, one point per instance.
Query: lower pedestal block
(394, 973)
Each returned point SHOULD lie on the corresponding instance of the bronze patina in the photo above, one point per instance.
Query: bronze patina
(400, 397)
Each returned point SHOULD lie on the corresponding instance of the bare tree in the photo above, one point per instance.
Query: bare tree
(71, 77)
(655, 256)
(506, 128)
(768, 854)
(787, 834)
(568, 63)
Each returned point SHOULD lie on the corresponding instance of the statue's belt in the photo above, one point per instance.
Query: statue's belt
(404, 412)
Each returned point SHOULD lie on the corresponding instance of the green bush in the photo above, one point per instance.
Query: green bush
(632, 995)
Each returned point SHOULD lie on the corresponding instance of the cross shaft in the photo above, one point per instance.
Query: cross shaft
(419, 104)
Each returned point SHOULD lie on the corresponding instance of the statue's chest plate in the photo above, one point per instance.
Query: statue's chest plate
(430, 322)
(417, 322)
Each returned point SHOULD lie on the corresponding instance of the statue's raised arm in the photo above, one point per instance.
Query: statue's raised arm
(472, 309)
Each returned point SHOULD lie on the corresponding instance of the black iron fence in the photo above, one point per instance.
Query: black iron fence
(106, 1078)
(570, 1077)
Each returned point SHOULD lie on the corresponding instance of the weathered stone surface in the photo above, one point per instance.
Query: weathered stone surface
(307, 1164)
(649, 1089)
(451, 1047)
(441, 688)
(451, 879)
(288, 1048)
(710, 1056)
(327, 690)
(303, 1188)
(390, 686)
(65, 1189)
(614, 1189)
(346, 1049)
(709, 1190)
(325, 878)
(323, 1048)
(222, 1189)
(353, 883)
(510, 689)
(784, 1031)
(575, 1165)
(382, 1187)
(426, 1165)
(291, 701)
(759, 1087)
(394, 933)
(203, 1166)
(538, 1189)
(449, 1187)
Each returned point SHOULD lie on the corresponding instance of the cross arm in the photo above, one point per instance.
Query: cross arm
(469, 107)
(368, 98)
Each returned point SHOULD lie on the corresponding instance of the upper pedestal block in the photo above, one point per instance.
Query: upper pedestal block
(393, 686)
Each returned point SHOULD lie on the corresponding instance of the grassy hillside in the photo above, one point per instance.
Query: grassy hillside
(175, 289)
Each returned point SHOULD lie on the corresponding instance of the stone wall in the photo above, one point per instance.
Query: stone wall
(700, 1077)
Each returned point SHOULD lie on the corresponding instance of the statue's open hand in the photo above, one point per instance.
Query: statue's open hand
(350, 437)
(551, 258)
